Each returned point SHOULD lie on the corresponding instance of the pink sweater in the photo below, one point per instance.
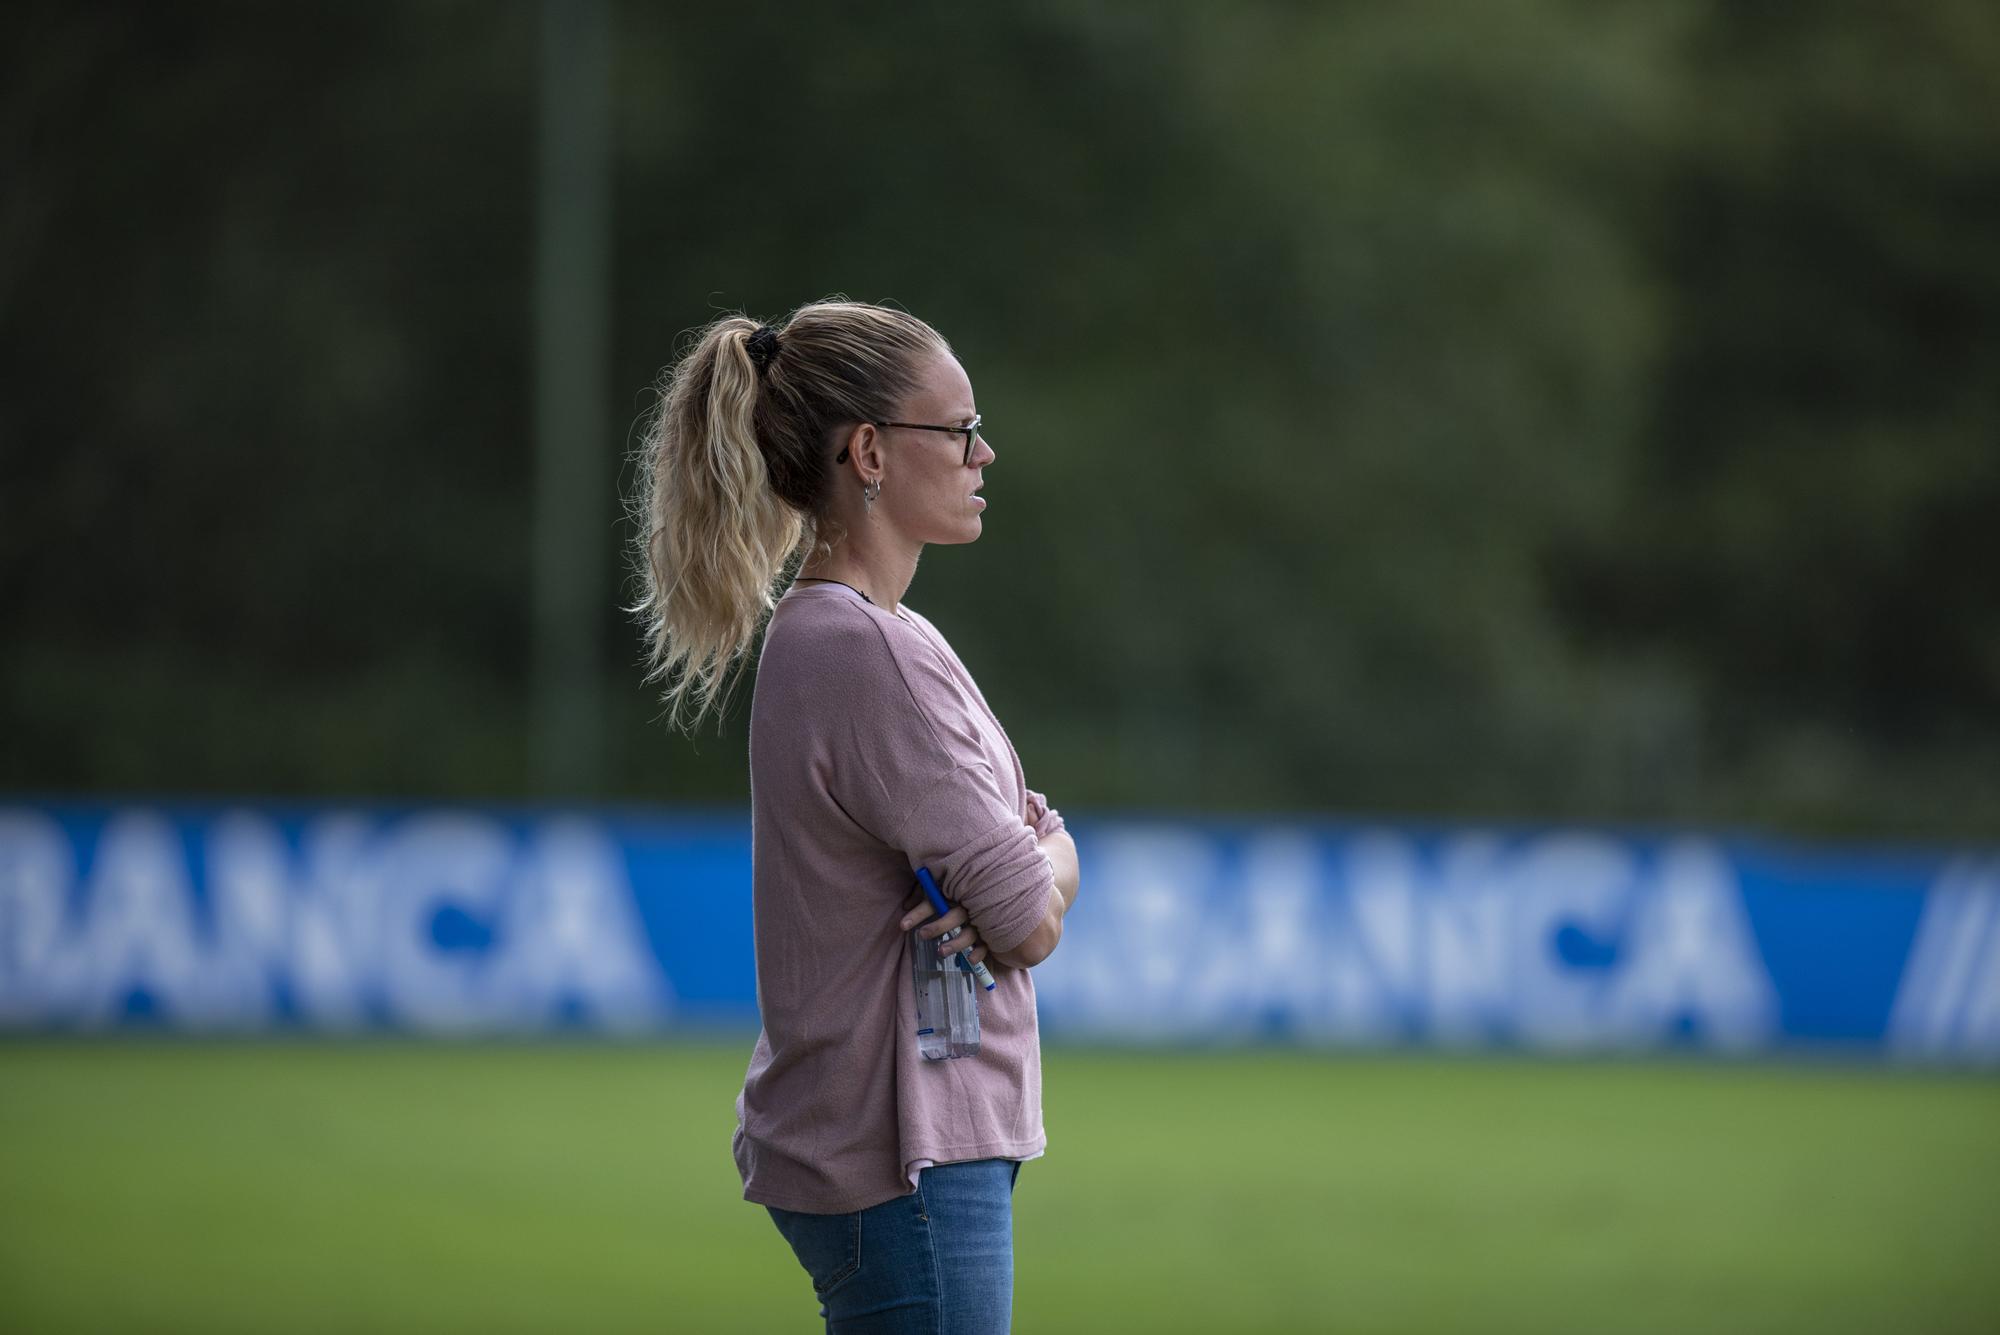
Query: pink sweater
(872, 753)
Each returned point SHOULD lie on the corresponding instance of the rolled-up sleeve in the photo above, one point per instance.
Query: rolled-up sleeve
(984, 857)
(912, 770)
(1045, 819)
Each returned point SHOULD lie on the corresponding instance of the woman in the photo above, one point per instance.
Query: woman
(847, 436)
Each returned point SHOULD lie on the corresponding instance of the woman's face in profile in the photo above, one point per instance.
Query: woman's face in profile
(928, 483)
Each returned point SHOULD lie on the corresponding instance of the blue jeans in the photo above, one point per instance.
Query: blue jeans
(937, 1262)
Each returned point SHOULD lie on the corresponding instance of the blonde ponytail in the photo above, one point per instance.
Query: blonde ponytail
(733, 472)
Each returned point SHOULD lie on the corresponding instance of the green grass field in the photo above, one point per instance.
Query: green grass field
(408, 1187)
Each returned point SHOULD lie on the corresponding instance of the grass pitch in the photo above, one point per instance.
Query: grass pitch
(409, 1187)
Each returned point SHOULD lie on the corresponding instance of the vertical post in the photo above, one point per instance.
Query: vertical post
(574, 511)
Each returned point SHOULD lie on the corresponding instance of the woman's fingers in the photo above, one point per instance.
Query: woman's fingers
(965, 939)
(939, 926)
(957, 924)
(915, 909)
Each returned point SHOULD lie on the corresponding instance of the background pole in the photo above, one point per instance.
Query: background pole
(574, 511)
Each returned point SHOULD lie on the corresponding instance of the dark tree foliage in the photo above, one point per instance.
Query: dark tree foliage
(1541, 411)
(1810, 533)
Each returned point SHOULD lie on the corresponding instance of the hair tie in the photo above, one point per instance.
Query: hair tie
(762, 347)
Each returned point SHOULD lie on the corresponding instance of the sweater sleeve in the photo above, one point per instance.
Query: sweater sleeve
(1045, 819)
(992, 866)
(916, 777)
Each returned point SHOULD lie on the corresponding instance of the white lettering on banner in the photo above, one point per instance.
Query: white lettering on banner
(37, 869)
(139, 931)
(1559, 941)
(575, 934)
(310, 932)
(447, 922)
(1467, 978)
(1948, 1002)
(1564, 887)
(1286, 963)
(1693, 957)
(1382, 986)
(1306, 968)
(1162, 879)
(430, 866)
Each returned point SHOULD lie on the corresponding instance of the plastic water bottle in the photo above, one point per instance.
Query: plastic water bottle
(947, 1002)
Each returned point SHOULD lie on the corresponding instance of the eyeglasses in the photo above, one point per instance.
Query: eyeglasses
(970, 431)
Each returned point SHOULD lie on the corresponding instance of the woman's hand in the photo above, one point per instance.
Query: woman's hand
(954, 927)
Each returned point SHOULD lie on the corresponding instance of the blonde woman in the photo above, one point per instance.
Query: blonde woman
(847, 438)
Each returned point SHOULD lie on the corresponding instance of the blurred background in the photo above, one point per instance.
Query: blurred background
(1518, 479)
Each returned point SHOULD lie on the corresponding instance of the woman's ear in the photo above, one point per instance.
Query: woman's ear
(861, 451)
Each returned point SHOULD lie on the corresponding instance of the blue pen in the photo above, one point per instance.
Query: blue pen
(979, 971)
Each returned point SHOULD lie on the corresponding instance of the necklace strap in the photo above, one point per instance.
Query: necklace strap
(822, 579)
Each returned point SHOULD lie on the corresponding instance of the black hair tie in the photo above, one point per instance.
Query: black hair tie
(762, 347)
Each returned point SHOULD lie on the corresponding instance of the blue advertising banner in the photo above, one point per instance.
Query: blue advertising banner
(497, 920)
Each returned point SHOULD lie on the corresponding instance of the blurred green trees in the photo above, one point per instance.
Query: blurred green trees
(1537, 410)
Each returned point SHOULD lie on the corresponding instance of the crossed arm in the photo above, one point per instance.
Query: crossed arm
(1060, 850)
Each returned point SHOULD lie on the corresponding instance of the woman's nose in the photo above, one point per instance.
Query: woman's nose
(982, 453)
